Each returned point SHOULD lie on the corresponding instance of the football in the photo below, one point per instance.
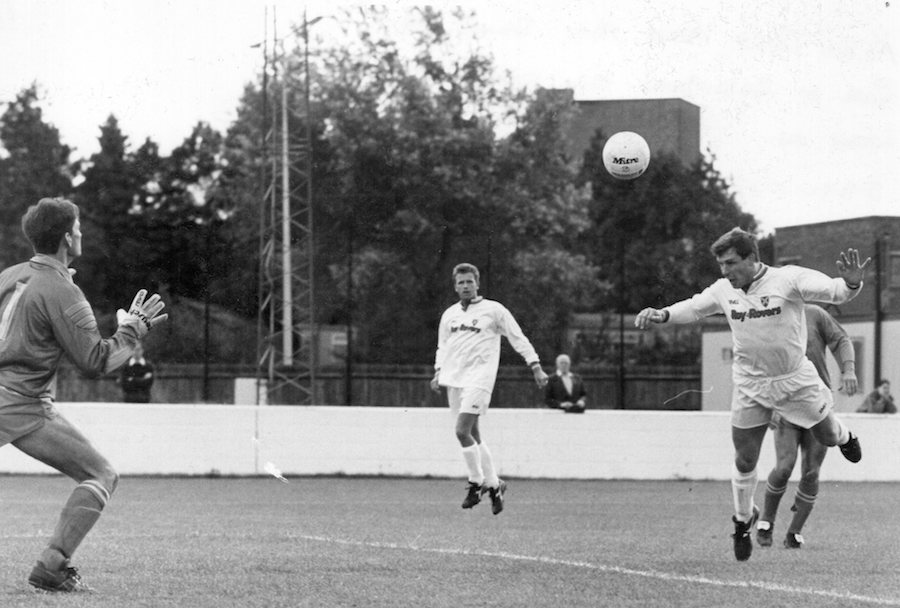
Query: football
(626, 155)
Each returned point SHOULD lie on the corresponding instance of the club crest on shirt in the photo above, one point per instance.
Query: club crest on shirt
(765, 301)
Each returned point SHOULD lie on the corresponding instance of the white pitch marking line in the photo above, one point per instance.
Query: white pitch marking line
(666, 576)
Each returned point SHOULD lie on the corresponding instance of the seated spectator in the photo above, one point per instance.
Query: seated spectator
(879, 401)
(137, 377)
(565, 390)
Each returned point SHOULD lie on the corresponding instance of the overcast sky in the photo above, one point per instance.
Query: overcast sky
(800, 99)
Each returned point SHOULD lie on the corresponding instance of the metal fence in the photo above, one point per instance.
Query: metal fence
(654, 388)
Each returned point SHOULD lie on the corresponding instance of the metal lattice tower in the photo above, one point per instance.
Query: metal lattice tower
(287, 334)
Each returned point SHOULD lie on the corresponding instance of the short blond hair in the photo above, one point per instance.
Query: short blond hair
(466, 268)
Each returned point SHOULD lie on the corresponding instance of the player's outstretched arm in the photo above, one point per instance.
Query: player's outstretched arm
(850, 269)
(648, 316)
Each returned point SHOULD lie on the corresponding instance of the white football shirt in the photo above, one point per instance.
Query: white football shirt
(768, 322)
(468, 351)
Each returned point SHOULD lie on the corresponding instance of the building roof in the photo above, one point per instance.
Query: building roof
(668, 124)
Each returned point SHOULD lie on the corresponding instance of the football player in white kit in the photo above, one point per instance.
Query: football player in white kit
(466, 362)
(823, 333)
(764, 307)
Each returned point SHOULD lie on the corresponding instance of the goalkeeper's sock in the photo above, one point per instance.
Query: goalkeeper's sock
(78, 516)
(472, 456)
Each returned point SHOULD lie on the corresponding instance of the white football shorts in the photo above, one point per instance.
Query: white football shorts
(468, 400)
(800, 397)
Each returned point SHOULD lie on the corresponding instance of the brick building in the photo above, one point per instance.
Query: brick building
(872, 319)
(670, 125)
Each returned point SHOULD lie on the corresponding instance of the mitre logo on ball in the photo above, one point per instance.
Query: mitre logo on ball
(626, 155)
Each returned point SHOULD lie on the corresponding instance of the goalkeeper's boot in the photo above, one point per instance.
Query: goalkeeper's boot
(793, 540)
(851, 449)
(473, 495)
(496, 495)
(65, 580)
(764, 533)
(743, 544)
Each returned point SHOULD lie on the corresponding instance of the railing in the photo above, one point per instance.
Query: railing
(670, 388)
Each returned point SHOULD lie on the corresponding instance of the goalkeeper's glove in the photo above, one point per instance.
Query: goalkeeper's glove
(143, 316)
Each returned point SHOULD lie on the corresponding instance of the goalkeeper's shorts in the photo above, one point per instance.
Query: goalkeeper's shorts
(20, 419)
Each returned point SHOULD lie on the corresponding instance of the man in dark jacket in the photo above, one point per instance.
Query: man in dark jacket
(137, 377)
(565, 390)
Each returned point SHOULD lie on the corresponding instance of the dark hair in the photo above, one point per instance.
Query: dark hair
(46, 223)
(466, 268)
(883, 382)
(741, 241)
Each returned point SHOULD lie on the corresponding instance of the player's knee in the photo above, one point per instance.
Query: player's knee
(780, 474)
(108, 477)
(102, 483)
(829, 437)
(745, 462)
(810, 478)
(827, 432)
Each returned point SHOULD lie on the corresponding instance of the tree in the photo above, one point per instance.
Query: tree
(422, 181)
(180, 208)
(116, 253)
(544, 216)
(651, 236)
(413, 149)
(34, 164)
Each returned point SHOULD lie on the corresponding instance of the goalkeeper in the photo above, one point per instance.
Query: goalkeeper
(43, 317)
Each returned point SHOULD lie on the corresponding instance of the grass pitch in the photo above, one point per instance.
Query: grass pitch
(363, 542)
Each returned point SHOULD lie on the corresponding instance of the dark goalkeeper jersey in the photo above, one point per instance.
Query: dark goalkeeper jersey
(43, 316)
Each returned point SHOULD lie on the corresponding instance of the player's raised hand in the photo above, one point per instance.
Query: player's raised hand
(850, 269)
(144, 313)
(648, 316)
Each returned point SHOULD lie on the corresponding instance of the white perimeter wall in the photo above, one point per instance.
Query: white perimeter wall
(601, 444)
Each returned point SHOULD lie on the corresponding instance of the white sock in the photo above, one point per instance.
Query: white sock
(487, 464)
(472, 456)
(743, 487)
(843, 432)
